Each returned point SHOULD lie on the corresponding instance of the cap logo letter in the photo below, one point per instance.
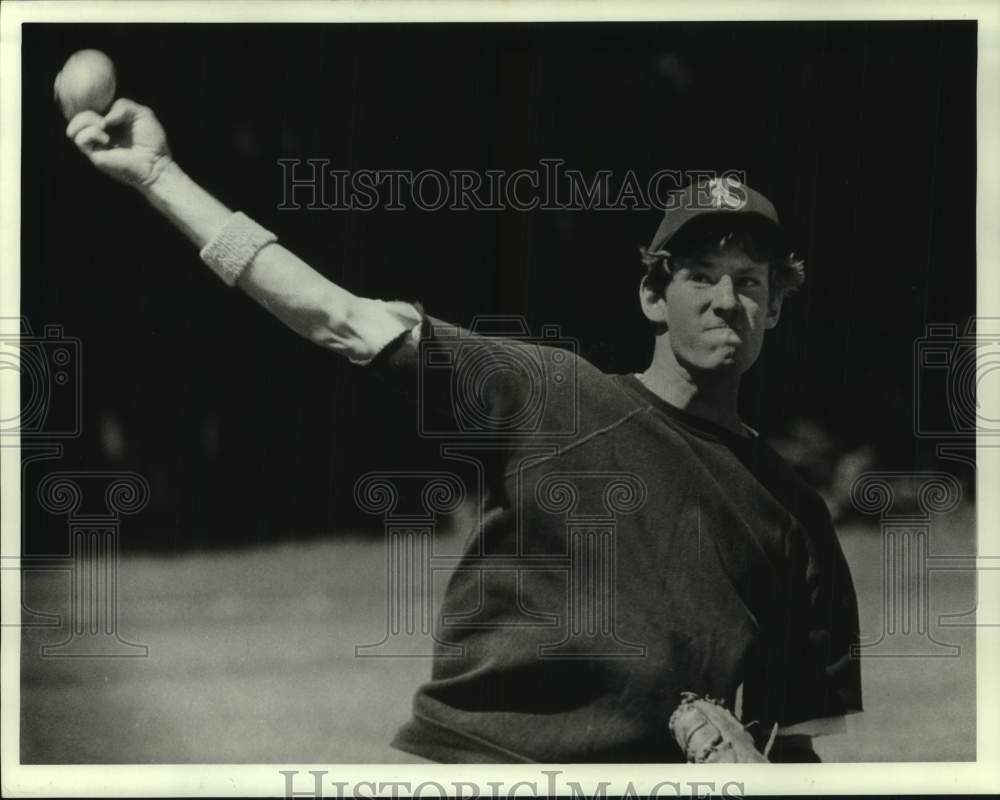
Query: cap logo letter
(722, 195)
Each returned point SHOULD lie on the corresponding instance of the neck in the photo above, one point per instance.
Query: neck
(714, 399)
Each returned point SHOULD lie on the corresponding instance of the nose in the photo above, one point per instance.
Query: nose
(724, 298)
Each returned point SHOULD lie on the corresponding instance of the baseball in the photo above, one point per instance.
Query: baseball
(86, 82)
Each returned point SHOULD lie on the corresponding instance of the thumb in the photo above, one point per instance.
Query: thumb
(84, 119)
(91, 138)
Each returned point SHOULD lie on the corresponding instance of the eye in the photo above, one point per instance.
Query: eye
(700, 278)
(748, 282)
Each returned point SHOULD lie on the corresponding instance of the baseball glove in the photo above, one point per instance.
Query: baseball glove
(708, 733)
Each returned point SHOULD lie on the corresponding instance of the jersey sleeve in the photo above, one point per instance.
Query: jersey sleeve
(466, 384)
(378, 325)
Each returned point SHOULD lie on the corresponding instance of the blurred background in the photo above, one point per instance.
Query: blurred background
(251, 440)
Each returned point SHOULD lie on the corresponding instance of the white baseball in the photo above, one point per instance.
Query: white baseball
(85, 83)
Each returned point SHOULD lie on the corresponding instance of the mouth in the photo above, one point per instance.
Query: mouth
(725, 328)
(724, 336)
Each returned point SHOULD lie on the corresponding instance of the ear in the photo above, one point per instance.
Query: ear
(654, 305)
(773, 310)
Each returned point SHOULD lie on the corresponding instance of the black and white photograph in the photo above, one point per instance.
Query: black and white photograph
(419, 391)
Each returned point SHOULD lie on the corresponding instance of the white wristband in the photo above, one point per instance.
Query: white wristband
(234, 247)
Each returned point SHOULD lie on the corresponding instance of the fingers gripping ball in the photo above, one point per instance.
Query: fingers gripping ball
(85, 83)
(707, 733)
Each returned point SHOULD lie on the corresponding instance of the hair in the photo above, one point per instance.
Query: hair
(713, 233)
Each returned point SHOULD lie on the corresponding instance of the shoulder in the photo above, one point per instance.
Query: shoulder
(499, 376)
(491, 346)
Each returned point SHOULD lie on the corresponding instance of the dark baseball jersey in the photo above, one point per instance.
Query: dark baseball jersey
(627, 552)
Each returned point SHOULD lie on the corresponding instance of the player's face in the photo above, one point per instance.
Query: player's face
(716, 310)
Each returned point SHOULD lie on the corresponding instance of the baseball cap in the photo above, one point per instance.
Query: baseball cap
(720, 195)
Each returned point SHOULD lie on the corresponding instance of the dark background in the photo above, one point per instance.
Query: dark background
(862, 133)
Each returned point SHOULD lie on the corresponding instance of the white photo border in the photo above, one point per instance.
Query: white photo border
(228, 780)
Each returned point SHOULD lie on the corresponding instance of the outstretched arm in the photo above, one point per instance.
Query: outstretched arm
(130, 145)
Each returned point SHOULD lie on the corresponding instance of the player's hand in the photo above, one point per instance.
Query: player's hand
(128, 143)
